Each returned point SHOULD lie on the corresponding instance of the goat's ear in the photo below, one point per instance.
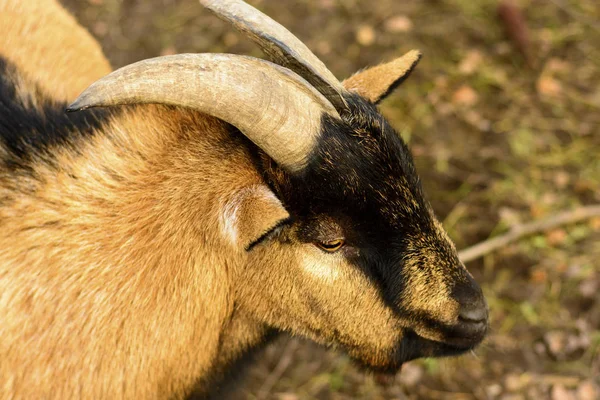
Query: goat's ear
(376, 83)
(250, 214)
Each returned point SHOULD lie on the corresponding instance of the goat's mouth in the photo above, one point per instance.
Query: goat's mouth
(454, 341)
(462, 336)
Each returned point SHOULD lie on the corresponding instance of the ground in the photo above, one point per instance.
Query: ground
(504, 121)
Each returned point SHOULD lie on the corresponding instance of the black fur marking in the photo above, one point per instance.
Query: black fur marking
(344, 180)
(31, 123)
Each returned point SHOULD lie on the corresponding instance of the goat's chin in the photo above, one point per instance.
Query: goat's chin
(410, 347)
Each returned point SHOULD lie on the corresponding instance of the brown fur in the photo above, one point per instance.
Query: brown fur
(49, 46)
(128, 269)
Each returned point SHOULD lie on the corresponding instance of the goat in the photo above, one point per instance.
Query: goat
(208, 202)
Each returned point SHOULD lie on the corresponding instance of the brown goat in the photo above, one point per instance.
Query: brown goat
(144, 249)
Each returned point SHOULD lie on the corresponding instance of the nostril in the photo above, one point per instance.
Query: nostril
(473, 313)
(472, 305)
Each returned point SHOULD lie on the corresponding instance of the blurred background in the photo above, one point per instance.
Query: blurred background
(503, 118)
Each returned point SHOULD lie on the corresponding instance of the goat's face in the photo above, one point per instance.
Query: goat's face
(363, 262)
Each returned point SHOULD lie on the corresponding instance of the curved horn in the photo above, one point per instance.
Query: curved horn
(280, 45)
(275, 108)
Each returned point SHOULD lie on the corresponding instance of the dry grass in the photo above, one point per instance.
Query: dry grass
(498, 141)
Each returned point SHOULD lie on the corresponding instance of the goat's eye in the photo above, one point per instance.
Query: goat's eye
(331, 246)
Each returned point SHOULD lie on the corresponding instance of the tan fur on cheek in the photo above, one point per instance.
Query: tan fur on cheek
(327, 299)
(324, 268)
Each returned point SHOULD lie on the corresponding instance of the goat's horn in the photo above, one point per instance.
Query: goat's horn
(280, 45)
(275, 108)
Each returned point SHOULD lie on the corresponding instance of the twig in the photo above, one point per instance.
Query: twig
(279, 370)
(519, 231)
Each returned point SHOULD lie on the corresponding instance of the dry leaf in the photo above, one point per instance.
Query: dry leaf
(476, 119)
(365, 35)
(440, 82)
(537, 210)
(539, 275)
(548, 86)
(471, 62)
(595, 223)
(324, 47)
(411, 374)
(559, 392)
(493, 390)
(516, 382)
(589, 288)
(509, 216)
(587, 391)
(230, 39)
(556, 341)
(561, 179)
(398, 24)
(556, 236)
(327, 4)
(561, 267)
(465, 96)
(556, 65)
(100, 28)
(287, 396)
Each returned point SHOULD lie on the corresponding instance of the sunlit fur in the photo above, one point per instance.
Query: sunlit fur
(49, 46)
(144, 250)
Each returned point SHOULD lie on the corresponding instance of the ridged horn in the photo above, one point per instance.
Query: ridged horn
(275, 108)
(280, 45)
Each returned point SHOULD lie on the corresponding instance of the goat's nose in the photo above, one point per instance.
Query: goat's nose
(472, 319)
(472, 305)
(474, 311)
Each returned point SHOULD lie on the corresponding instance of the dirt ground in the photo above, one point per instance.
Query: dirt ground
(503, 131)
